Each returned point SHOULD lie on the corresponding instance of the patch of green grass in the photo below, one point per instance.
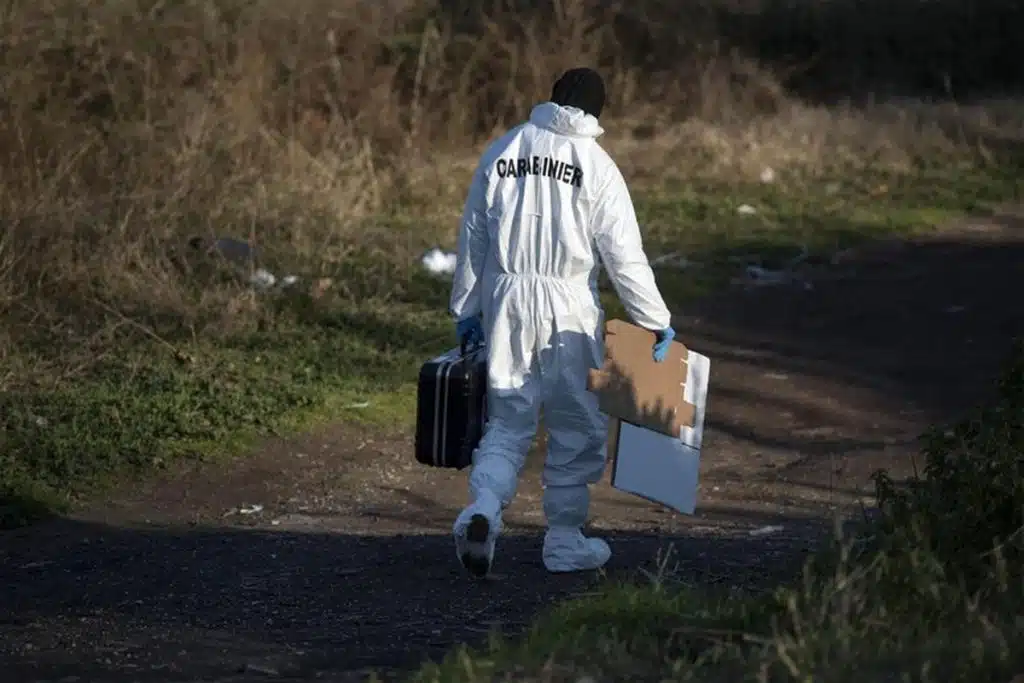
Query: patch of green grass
(661, 633)
(711, 226)
(626, 632)
(823, 214)
(355, 356)
(141, 411)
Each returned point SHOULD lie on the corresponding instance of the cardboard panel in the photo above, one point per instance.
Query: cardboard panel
(633, 387)
(661, 468)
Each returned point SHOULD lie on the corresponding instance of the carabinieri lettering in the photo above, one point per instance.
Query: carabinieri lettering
(540, 166)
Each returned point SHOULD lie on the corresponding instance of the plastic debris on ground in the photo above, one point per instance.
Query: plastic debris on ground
(758, 275)
(675, 260)
(242, 254)
(245, 510)
(439, 262)
(237, 251)
(262, 279)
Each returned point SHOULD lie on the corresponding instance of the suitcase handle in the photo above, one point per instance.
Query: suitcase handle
(464, 347)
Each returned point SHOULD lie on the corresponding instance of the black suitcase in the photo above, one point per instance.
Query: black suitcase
(451, 407)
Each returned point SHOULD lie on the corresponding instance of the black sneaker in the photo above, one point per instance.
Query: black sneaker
(475, 557)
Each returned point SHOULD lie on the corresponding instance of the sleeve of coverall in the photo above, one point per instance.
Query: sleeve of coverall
(472, 252)
(617, 237)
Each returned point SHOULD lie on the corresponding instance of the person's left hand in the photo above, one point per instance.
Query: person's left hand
(664, 341)
(470, 331)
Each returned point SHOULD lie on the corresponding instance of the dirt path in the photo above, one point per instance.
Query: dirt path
(349, 563)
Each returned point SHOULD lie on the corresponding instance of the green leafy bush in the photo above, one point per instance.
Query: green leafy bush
(966, 509)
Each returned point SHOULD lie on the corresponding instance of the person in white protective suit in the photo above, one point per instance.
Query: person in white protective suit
(546, 202)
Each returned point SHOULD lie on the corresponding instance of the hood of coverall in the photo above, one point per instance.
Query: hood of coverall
(565, 120)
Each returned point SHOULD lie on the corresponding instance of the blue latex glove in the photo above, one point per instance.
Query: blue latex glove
(470, 331)
(663, 343)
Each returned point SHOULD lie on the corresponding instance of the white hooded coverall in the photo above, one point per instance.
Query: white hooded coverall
(545, 201)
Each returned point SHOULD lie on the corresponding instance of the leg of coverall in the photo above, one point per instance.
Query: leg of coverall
(497, 463)
(577, 434)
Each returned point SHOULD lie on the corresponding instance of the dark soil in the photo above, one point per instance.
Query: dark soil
(349, 563)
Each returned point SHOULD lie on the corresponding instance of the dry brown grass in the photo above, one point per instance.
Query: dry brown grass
(129, 126)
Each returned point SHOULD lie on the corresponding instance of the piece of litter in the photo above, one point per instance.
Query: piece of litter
(766, 530)
(250, 509)
(756, 275)
(36, 565)
(439, 262)
(746, 210)
(363, 404)
(675, 260)
(768, 175)
(262, 279)
(799, 258)
(237, 251)
(665, 258)
(261, 669)
(762, 275)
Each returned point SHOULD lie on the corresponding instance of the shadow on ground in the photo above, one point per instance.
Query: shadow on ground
(106, 604)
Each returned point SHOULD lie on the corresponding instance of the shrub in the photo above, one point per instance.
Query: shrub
(967, 508)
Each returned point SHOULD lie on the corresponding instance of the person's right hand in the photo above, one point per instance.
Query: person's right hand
(470, 331)
(664, 341)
